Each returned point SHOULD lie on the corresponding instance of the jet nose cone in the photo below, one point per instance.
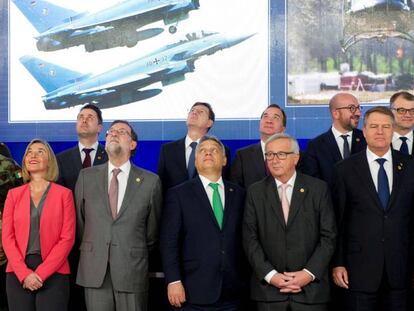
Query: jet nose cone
(236, 39)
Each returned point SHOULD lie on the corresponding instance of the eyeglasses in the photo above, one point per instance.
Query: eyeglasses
(281, 155)
(403, 111)
(197, 111)
(87, 118)
(271, 116)
(120, 132)
(351, 108)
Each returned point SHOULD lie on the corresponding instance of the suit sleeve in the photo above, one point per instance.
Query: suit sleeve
(80, 206)
(309, 163)
(236, 172)
(319, 261)
(226, 169)
(170, 238)
(60, 180)
(14, 256)
(59, 253)
(161, 168)
(154, 214)
(251, 243)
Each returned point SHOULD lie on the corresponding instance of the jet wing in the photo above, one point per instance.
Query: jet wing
(206, 50)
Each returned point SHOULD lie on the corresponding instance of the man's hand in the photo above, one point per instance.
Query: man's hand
(32, 282)
(299, 279)
(176, 294)
(340, 277)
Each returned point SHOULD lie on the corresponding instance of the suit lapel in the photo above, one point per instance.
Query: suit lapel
(134, 182)
(272, 200)
(100, 157)
(180, 156)
(333, 146)
(357, 142)
(102, 174)
(398, 169)
(76, 158)
(299, 193)
(228, 205)
(257, 160)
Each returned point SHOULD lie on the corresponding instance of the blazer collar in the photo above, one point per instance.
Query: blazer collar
(135, 180)
(333, 146)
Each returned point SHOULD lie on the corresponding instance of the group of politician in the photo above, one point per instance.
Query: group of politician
(278, 229)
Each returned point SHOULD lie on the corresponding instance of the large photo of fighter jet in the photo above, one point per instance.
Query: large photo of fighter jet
(126, 84)
(117, 25)
(141, 83)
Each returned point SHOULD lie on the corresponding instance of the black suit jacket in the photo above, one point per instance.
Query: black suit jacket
(172, 166)
(248, 166)
(322, 153)
(70, 164)
(207, 260)
(306, 241)
(370, 239)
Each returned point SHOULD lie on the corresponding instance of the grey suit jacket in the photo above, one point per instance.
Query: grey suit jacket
(306, 241)
(124, 243)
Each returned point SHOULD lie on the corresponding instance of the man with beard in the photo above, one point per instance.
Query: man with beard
(340, 141)
(402, 106)
(249, 164)
(86, 153)
(118, 207)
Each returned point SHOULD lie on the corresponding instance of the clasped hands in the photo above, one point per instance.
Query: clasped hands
(291, 282)
(32, 282)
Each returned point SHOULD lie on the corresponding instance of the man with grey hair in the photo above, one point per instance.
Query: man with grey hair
(201, 243)
(288, 233)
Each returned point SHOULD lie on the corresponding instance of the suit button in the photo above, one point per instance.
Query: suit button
(385, 217)
(223, 252)
(382, 240)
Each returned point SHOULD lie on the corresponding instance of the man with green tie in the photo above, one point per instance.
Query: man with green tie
(201, 246)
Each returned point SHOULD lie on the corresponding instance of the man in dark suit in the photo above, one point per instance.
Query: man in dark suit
(373, 192)
(118, 208)
(288, 233)
(71, 161)
(201, 245)
(249, 163)
(176, 161)
(87, 152)
(402, 106)
(341, 140)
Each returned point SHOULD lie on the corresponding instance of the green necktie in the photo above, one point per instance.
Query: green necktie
(217, 205)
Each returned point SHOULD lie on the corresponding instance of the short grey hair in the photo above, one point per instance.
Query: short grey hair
(212, 138)
(294, 146)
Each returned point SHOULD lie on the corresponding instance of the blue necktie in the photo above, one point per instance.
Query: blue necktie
(346, 146)
(383, 186)
(404, 146)
(191, 161)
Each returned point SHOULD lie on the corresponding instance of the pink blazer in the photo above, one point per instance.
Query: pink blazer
(57, 231)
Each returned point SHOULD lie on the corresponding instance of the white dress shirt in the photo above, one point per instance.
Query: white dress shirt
(188, 148)
(340, 141)
(205, 181)
(396, 141)
(262, 144)
(289, 192)
(374, 167)
(122, 180)
(92, 153)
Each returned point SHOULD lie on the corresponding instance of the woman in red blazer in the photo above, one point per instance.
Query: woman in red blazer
(38, 234)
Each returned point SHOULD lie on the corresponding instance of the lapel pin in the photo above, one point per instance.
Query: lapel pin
(138, 179)
(99, 158)
(231, 189)
(357, 140)
(302, 190)
(399, 167)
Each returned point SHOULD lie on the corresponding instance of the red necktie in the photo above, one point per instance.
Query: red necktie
(87, 161)
(113, 192)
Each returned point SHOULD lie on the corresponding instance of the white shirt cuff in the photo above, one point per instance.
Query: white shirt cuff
(179, 281)
(269, 276)
(310, 273)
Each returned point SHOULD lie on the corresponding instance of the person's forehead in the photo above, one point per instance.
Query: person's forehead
(278, 144)
(120, 125)
(401, 101)
(210, 143)
(38, 146)
(377, 117)
(200, 107)
(272, 111)
(88, 111)
(346, 99)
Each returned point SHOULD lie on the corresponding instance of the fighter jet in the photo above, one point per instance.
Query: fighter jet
(127, 83)
(61, 28)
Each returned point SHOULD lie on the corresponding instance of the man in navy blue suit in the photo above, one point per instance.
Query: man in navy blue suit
(402, 106)
(200, 242)
(176, 161)
(341, 140)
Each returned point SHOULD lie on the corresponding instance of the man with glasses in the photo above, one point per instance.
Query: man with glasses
(288, 233)
(118, 209)
(339, 142)
(176, 161)
(86, 153)
(249, 164)
(402, 106)
(201, 241)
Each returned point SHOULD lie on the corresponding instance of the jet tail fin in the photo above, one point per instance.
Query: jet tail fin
(42, 14)
(48, 75)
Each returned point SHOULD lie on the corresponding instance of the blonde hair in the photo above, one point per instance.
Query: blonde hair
(52, 173)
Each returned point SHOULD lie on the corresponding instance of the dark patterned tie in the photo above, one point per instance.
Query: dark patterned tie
(191, 160)
(383, 186)
(113, 192)
(87, 162)
(404, 146)
(346, 146)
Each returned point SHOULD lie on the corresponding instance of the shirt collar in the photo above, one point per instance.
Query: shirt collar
(126, 167)
(94, 146)
(372, 156)
(397, 136)
(188, 141)
(205, 181)
(290, 182)
(337, 133)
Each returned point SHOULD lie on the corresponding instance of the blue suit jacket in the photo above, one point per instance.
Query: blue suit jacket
(207, 260)
(322, 153)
